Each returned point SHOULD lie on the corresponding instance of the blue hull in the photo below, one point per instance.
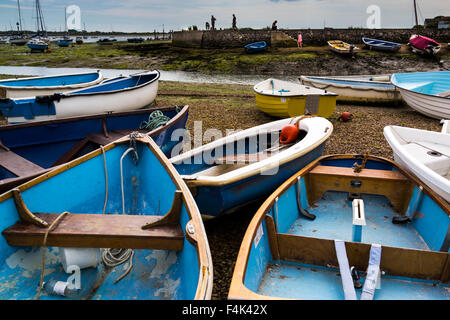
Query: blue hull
(256, 47)
(158, 271)
(37, 47)
(302, 263)
(64, 43)
(214, 201)
(48, 143)
(382, 45)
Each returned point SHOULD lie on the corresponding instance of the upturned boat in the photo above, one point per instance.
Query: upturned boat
(31, 149)
(246, 166)
(425, 92)
(426, 154)
(424, 45)
(255, 47)
(47, 85)
(342, 47)
(347, 227)
(381, 45)
(287, 99)
(116, 224)
(364, 89)
(116, 95)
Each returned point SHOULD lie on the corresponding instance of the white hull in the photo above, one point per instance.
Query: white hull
(34, 91)
(413, 149)
(353, 93)
(429, 105)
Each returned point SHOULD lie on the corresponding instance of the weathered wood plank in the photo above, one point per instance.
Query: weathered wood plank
(16, 164)
(98, 231)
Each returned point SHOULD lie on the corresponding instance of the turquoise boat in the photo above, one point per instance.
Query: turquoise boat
(255, 47)
(125, 196)
(347, 227)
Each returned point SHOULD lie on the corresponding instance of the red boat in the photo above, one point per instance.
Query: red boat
(424, 45)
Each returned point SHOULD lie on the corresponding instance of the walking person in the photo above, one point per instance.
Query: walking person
(299, 41)
(213, 23)
(233, 25)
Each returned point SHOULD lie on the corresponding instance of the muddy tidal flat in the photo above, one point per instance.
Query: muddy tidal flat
(226, 106)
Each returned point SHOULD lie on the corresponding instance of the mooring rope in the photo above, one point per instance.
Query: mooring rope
(44, 246)
(156, 119)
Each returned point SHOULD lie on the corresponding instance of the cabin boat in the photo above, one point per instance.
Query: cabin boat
(285, 99)
(425, 92)
(102, 207)
(342, 47)
(255, 47)
(115, 95)
(423, 45)
(31, 149)
(47, 85)
(248, 165)
(348, 227)
(381, 45)
(364, 89)
(37, 45)
(426, 154)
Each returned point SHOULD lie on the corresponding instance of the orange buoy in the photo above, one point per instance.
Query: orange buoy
(290, 132)
(346, 116)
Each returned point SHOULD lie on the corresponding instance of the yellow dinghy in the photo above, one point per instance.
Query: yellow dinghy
(342, 47)
(285, 99)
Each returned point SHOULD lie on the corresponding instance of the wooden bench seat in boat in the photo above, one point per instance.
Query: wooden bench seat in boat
(16, 164)
(98, 230)
(392, 184)
(242, 158)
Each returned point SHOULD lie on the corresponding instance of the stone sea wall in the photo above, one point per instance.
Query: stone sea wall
(239, 38)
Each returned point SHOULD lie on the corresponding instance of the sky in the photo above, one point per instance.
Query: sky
(150, 15)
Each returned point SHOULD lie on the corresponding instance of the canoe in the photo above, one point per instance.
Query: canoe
(47, 85)
(370, 89)
(287, 99)
(30, 149)
(423, 45)
(426, 154)
(342, 47)
(246, 166)
(126, 196)
(255, 47)
(116, 95)
(325, 219)
(381, 45)
(425, 92)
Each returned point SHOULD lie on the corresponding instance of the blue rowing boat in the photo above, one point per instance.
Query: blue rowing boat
(381, 45)
(121, 225)
(248, 165)
(347, 227)
(31, 149)
(256, 47)
(115, 95)
(48, 85)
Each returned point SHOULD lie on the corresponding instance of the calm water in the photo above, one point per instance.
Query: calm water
(180, 76)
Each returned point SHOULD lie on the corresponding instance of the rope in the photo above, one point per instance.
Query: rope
(358, 169)
(155, 120)
(115, 257)
(44, 246)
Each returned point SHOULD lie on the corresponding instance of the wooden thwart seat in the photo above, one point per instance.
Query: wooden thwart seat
(365, 173)
(98, 230)
(16, 164)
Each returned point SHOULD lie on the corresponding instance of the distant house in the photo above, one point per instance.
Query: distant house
(439, 22)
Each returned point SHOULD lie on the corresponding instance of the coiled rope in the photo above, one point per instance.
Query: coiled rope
(156, 119)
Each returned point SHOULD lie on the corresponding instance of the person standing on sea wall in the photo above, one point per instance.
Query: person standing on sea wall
(207, 25)
(213, 23)
(299, 41)
(233, 25)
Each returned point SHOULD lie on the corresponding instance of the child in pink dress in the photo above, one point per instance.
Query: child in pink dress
(299, 41)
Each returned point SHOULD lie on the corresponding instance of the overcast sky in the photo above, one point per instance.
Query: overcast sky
(147, 15)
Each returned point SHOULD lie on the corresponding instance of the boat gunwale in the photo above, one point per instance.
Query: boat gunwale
(205, 278)
(415, 92)
(74, 86)
(309, 78)
(77, 94)
(238, 290)
(217, 181)
(324, 93)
